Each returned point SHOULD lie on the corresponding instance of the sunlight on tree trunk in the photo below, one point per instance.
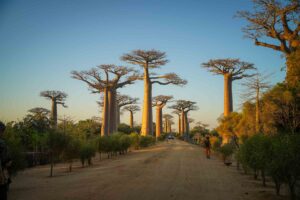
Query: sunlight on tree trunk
(147, 126)
(131, 119)
(227, 94)
(158, 127)
(105, 115)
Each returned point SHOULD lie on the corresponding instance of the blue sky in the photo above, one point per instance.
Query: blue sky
(42, 41)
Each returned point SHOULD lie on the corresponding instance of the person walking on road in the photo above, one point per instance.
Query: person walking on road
(207, 146)
(5, 163)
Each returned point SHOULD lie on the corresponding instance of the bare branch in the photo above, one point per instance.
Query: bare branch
(149, 59)
(234, 67)
(161, 100)
(132, 108)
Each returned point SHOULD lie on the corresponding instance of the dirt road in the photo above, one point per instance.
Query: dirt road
(169, 170)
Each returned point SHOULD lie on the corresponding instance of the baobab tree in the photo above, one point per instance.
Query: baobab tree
(160, 102)
(254, 87)
(184, 107)
(179, 119)
(231, 69)
(148, 60)
(132, 109)
(99, 81)
(189, 121)
(276, 22)
(123, 100)
(56, 97)
(167, 118)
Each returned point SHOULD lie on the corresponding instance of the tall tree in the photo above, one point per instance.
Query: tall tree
(184, 107)
(179, 119)
(56, 97)
(255, 86)
(148, 60)
(160, 102)
(277, 22)
(123, 100)
(132, 109)
(189, 121)
(100, 83)
(168, 119)
(231, 69)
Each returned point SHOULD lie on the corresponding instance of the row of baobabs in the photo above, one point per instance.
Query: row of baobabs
(107, 79)
(275, 21)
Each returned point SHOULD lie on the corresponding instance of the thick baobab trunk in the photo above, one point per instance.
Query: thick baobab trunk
(147, 124)
(166, 125)
(112, 111)
(158, 121)
(54, 113)
(182, 128)
(169, 127)
(118, 115)
(105, 114)
(227, 94)
(131, 119)
(227, 101)
(187, 125)
(179, 124)
(257, 112)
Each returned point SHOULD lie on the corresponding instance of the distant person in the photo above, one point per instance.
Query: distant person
(5, 163)
(207, 146)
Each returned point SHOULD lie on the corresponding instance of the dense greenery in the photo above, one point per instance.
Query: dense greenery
(274, 150)
(32, 141)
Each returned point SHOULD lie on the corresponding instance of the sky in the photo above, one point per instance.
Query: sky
(41, 42)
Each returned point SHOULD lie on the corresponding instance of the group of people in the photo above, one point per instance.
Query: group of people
(5, 163)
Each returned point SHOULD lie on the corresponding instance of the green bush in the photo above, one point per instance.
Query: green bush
(146, 141)
(124, 128)
(87, 152)
(162, 137)
(277, 156)
(284, 165)
(256, 154)
(72, 151)
(226, 150)
(135, 140)
(57, 143)
(16, 150)
(125, 143)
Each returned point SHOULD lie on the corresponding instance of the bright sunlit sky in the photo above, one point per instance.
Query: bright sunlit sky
(41, 42)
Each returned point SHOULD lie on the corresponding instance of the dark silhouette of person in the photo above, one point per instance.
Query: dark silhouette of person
(207, 146)
(5, 163)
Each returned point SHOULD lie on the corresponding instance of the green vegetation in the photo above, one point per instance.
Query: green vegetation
(274, 150)
(34, 142)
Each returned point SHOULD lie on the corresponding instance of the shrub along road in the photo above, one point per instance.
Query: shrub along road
(169, 170)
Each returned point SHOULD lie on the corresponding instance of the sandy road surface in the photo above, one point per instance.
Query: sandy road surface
(169, 170)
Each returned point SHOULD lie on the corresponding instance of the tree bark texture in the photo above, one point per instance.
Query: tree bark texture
(147, 123)
(131, 119)
(112, 111)
(54, 112)
(227, 94)
(158, 121)
(105, 115)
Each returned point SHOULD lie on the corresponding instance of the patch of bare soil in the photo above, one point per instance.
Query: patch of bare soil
(169, 170)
